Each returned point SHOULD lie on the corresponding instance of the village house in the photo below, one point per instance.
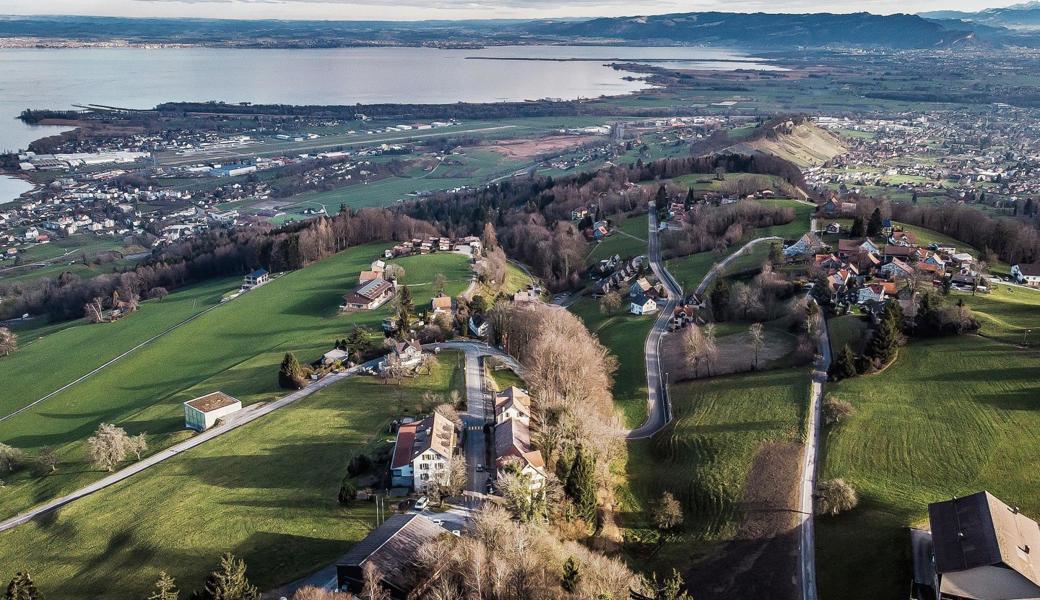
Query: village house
(979, 548)
(809, 243)
(642, 305)
(366, 276)
(897, 269)
(513, 403)
(369, 296)
(393, 549)
(203, 412)
(408, 355)
(442, 305)
(256, 279)
(1027, 274)
(422, 451)
(513, 443)
(479, 326)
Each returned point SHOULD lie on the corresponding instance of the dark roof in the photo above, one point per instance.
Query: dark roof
(392, 547)
(258, 273)
(1030, 270)
(980, 530)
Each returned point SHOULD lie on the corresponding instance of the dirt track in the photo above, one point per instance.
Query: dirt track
(531, 148)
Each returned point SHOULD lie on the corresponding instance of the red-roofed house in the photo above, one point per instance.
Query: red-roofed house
(422, 452)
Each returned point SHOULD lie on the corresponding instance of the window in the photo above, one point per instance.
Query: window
(424, 476)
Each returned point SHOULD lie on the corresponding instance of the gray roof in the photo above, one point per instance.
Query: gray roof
(392, 547)
(980, 530)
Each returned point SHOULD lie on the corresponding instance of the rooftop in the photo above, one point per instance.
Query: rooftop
(211, 402)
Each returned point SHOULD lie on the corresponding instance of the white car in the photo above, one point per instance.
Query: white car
(438, 522)
(422, 503)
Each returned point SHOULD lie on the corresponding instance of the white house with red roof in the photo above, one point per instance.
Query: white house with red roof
(422, 451)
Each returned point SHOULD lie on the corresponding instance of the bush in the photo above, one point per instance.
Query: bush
(835, 496)
(359, 465)
(836, 410)
(347, 492)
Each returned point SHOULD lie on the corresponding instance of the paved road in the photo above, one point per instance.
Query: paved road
(721, 266)
(658, 410)
(807, 548)
(247, 415)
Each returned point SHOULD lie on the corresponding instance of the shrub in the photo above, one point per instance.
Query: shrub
(834, 496)
(347, 492)
(836, 410)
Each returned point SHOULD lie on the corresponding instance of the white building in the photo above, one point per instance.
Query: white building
(422, 452)
(513, 403)
(202, 413)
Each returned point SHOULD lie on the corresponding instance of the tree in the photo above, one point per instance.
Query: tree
(229, 582)
(393, 271)
(885, 341)
(711, 348)
(747, 299)
(138, 444)
(479, 304)
(48, 458)
(719, 298)
(845, 367)
(10, 458)
(693, 346)
(670, 589)
(758, 339)
(290, 373)
(875, 224)
(347, 492)
(359, 342)
(94, 311)
(571, 575)
(451, 481)
(108, 447)
(834, 496)
(158, 293)
(310, 592)
(8, 341)
(667, 512)
(581, 484)
(836, 410)
(858, 228)
(22, 587)
(489, 238)
(372, 579)
(438, 283)
(610, 303)
(165, 588)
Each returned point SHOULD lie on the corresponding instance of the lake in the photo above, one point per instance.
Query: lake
(11, 188)
(142, 78)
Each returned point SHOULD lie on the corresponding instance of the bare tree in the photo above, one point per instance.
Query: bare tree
(693, 347)
(834, 496)
(48, 458)
(94, 311)
(758, 339)
(711, 348)
(373, 583)
(158, 293)
(108, 447)
(836, 410)
(138, 444)
(10, 458)
(448, 412)
(8, 341)
(393, 271)
(610, 303)
(309, 592)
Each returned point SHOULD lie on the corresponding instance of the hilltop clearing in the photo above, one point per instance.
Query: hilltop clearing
(801, 142)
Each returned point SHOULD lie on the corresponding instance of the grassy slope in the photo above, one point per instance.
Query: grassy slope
(625, 336)
(623, 245)
(235, 348)
(1006, 313)
(705, 456)
(952, 416)
(266, 492)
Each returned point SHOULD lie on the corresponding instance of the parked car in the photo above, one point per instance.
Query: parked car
(422, 503)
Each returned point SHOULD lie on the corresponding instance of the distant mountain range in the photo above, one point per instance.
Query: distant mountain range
(743, 30)
(1020, 16)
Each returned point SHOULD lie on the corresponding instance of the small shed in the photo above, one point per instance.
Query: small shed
(202, 413)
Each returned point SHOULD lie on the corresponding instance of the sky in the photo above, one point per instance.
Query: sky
(402, 10)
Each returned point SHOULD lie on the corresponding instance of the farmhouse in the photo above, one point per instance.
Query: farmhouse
(422, 451)
(369, 296)
(203, 412)
(981, 549)
(442, 305)
(393, 549)
(513, 403)
(256, 279)
(408, 355)
(513, 444)
(643, 305)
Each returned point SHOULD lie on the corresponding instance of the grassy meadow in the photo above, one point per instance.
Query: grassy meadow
(952, 416)
(265, 491)
(235, 348)
(630, 241)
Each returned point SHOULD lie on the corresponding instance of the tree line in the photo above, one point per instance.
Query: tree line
(1013, 241)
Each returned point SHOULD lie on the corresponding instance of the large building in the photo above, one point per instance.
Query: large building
(369, 295)
(422, 452)
(391, 548)
(980, 549)
(203, 412)
(513, 445)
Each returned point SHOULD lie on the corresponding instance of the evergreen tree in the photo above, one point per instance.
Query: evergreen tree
(719, 298)
(359, 342)
(581, 484)
(875, 224)
(845, 367)
(571, 575)
(22, 588)
(913, 197)
(857, 228)
(228, 582)
(883, 344)
(165, 588)
(290, 374)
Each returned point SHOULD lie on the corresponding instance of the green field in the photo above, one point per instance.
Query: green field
(265, 491)
(1007, 313)
(953, 416)
(625, 336)
(846, 329)
(234, 348)
(630, 241)
(705, 455)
